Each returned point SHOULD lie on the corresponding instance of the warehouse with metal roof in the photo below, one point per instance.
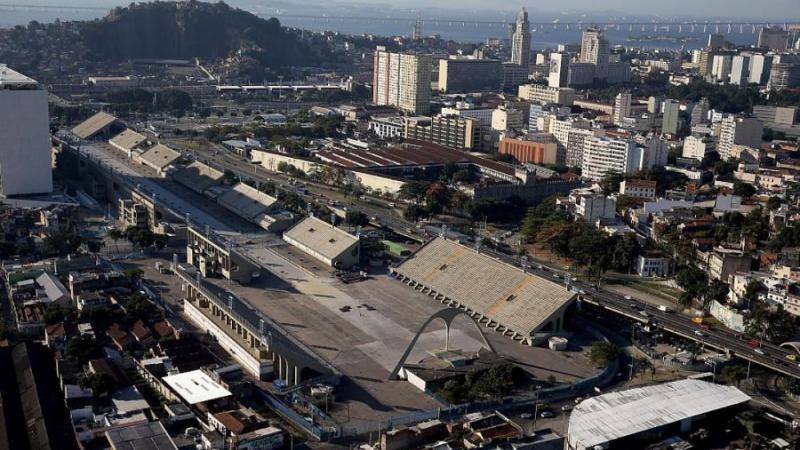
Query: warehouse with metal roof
(246, 201)
(127, 141)
(633, 417)
(198, 176)
(94, 125)
(498, 295)
(323, 241)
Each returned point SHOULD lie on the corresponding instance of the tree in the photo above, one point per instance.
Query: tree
(356, 219)
(734, 373)
(134, 274)
(413, 190)
(413, 213)
(139, 307)
(56, 313)
(602, 353)
(774, 325)
(81, 348)
(773, 203)
(793, 386)
(115, 235)
(743, 189)
(99, 383)
(643, 364)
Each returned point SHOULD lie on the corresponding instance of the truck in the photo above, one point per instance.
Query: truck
(664, 308)
(697, 320)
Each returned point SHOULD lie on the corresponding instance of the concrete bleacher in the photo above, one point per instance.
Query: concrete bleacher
(246, 201)
(198, 176)
(502, 296)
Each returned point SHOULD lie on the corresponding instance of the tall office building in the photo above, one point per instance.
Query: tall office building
(595, 50)
(672, 109)
(25, 159)
(521, 40)
(700, 112)
(705, 63)
(402, 80)
(470, 75)
(740, 69)
(721, 68)
(559, 70)
(760, 67)
(715, 41)
(738, 131)
(622, 107)
(773, 38)
(784, 74)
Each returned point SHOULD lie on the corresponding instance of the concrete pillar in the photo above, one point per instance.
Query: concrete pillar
(288, 373)
(280, 367)
(296, 375)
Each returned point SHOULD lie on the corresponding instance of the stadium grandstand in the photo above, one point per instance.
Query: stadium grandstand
(97, 124)
(246, 201)
(198, 176)
(498, 295)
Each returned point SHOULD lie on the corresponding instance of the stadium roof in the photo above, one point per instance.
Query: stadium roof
(195, 387)
(519, 301)
(246, 201)
(324, 238)
(127, 140)
(159, 157)
(93, 125)
(612, 416)
(198, 176)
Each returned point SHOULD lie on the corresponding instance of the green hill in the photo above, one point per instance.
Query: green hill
(184, 30)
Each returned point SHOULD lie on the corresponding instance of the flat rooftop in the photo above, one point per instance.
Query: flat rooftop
(93, 125)
(322, 237)
(612, 416)
(10, 79)
(196, 387)
(145, 436)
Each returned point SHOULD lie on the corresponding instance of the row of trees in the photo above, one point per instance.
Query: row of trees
(139, 237)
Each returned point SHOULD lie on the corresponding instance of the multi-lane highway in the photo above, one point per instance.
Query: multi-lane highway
(767, 355)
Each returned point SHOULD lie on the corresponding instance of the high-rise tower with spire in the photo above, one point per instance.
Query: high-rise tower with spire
(521, 40)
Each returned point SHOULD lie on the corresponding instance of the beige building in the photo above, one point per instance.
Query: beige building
(545, 94)
(402, 80)
(450, 131)
(738, 131)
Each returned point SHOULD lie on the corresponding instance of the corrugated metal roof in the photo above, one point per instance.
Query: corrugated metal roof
(612, 416)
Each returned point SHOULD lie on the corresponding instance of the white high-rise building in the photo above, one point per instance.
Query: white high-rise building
(25, 155)
(721, 67)
(672, 109)
(402, 80)
(604, 155)
(622, 107)
(740, 69)
(595, 50)
(738, 131)
(559, 70)
(521, 40)
(760, 66)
